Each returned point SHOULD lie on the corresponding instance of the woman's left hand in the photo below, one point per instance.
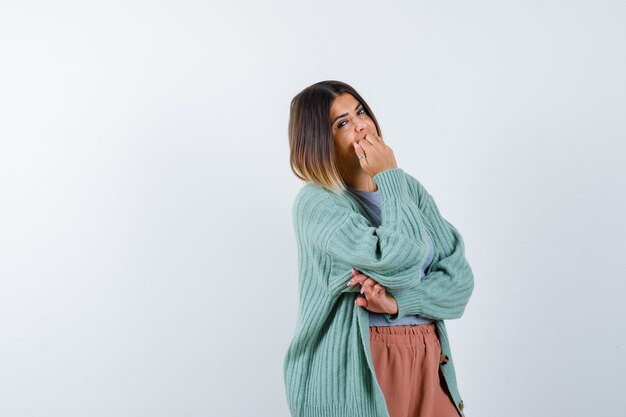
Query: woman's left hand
(376, 298)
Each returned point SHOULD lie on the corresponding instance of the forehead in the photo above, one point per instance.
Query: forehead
(343, 104)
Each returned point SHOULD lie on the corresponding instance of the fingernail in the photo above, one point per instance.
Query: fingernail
(349, 283)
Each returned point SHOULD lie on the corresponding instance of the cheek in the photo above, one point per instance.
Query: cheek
(339, 145)
(341, 141)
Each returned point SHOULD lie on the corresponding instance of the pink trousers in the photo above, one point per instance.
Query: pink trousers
(406, 361)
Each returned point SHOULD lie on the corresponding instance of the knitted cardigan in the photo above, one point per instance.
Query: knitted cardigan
(328, 369)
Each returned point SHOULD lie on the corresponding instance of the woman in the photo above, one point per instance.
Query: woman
(379, 271)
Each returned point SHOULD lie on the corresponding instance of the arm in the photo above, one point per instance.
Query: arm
(444, 292)
(391, 253)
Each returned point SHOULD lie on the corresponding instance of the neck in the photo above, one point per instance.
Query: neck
(360, 180)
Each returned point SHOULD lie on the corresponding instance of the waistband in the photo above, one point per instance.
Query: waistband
(419, 329)
(414, 335)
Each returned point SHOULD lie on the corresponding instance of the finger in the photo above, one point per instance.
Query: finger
(367, 285)
(357, 279)
(364, 145)
(361, 302)
(372, 292)
(378, 289)
(360, 151)
(364, 285)
(374, 289)
(370, 139)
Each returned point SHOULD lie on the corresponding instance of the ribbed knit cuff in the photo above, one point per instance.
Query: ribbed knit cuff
(392, 183)
(408, 303)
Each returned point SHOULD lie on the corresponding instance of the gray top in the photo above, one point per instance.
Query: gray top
(370, 201)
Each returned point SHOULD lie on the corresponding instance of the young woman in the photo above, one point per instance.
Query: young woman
(379, 271)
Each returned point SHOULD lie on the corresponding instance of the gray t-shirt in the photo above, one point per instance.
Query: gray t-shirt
(370, 201)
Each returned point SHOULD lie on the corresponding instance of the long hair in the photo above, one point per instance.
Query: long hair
(312, 148)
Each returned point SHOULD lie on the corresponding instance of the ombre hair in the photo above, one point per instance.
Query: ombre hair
(312, 148)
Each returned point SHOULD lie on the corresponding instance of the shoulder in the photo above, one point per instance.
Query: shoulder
(317, 212)
(312, 196)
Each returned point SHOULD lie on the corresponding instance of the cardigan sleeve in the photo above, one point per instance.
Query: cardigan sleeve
(390, 253)
(445, 291)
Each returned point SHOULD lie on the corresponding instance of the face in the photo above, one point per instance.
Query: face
(350, 123)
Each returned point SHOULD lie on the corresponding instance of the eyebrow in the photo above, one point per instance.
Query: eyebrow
(345, 114)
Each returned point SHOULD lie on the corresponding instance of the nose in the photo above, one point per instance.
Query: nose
(360, 124)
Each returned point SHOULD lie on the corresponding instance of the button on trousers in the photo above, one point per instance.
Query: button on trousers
(406, 361)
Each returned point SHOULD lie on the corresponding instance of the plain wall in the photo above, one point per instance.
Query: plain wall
(148, 263)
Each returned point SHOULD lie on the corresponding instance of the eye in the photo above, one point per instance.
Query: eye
(360, 112)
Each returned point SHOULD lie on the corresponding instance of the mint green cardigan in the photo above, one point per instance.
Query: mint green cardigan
(328, 370)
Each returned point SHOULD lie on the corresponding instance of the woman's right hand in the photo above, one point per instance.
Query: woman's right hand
(376, 298)
(378, 156)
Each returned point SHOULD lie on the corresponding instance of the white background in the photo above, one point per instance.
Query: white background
(148, 264)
